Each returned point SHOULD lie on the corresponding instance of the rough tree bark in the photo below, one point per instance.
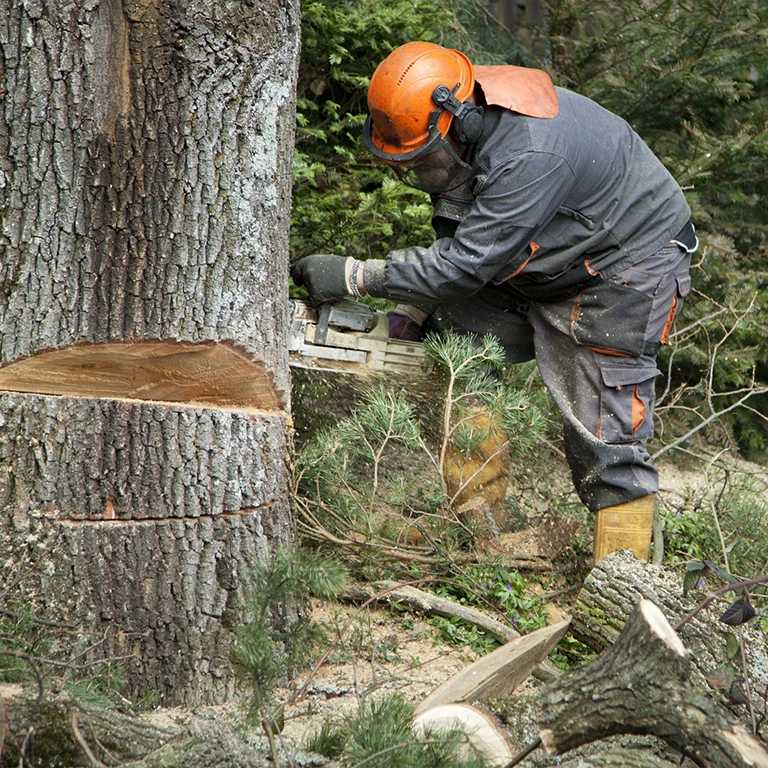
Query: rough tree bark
(643, 685)
(618, 582)
(145, 158)
(647, 679)
(70, 732)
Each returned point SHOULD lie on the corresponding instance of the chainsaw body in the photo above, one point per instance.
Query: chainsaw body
(349, 337)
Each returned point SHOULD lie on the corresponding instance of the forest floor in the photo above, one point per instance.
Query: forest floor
(378, 651)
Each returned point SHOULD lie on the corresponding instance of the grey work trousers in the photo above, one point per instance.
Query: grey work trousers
(596, 354)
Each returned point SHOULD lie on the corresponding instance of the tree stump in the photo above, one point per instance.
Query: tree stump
(145, 169)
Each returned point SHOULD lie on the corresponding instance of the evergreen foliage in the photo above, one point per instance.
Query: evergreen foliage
(263, 656)
(343, 202)
(691, 78)
(380, 736)
(361, 481)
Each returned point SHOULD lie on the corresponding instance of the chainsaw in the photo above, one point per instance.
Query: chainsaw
(349, 337)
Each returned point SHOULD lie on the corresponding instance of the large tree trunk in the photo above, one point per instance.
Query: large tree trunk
(145, 157)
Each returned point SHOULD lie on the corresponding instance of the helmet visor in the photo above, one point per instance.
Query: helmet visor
(433, 167)
(436, 172)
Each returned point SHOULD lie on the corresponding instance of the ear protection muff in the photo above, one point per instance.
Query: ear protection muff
(467, 124)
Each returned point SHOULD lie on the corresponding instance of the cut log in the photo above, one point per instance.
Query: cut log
(642, 685)
(618, 582)
(481, 729)
(500, 672)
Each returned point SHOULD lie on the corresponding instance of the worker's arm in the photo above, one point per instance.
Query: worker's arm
(516, 202)
(513, 203)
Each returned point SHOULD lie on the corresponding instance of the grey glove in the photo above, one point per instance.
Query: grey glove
(325, 276)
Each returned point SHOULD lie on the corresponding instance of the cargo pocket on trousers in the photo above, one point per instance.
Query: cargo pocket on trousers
(612, 318)
(683, 288)
(626, 403)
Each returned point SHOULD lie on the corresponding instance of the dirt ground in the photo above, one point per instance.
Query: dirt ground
(379, 656)
(376, 653)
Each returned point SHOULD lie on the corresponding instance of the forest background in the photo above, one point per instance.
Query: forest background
(691, 78)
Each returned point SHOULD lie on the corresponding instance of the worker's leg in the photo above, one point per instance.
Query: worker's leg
(597, 356)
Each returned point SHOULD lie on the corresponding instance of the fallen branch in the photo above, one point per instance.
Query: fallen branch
(417, 600)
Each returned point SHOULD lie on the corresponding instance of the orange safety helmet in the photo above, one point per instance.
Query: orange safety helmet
(409, 108)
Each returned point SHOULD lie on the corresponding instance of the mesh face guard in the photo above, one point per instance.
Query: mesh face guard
(433, 167)
(436, 172)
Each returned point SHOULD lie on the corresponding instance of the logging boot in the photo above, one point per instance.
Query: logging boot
(625, 526)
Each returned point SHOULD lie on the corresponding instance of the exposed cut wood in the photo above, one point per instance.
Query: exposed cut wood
(482, 730)
(206, 374)
(500, 672)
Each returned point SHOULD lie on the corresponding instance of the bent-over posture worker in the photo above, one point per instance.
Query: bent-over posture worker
(558, 231)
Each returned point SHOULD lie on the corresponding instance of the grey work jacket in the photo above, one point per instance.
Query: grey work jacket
(553, 202)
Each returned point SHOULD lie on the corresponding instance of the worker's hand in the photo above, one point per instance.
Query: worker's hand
(325, 276)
